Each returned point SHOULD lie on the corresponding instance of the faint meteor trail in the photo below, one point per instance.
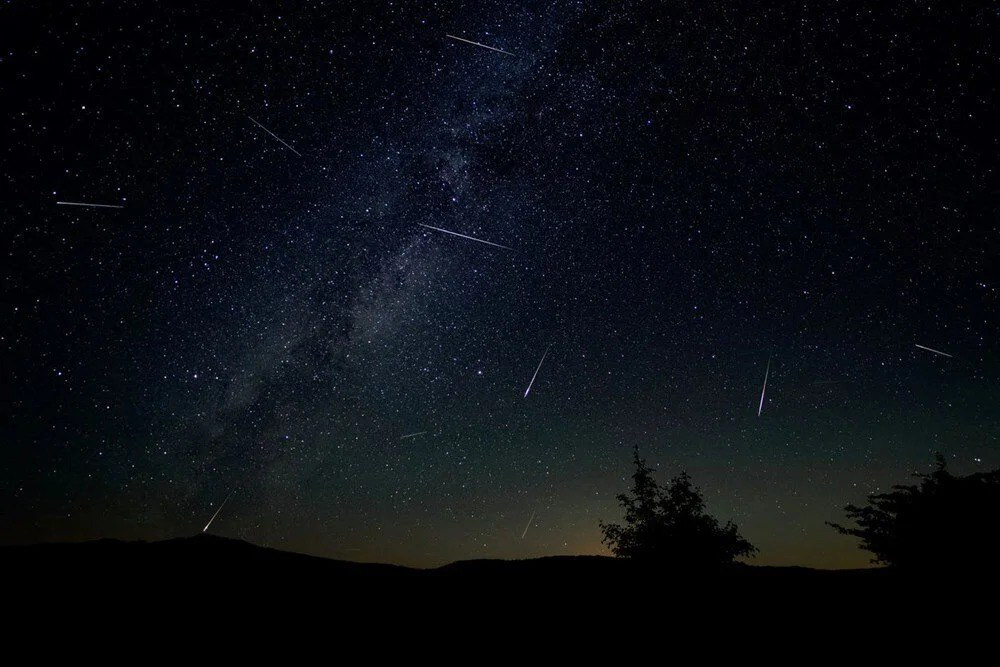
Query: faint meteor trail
(528, 526)
(943, 354)
(471, 238)
(283, 142)
(766, 372)
(412, 435)
(491, 48)
(536, 371)
(80, 203)
(205, 529)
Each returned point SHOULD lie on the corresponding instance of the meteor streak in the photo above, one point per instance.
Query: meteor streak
(766, 372)
(528, 526)
(471, 238)
(536, 372)
(412, 435)
(80, 203)
(283, 142)
(205, 529)
(469, 41)
(943, 354)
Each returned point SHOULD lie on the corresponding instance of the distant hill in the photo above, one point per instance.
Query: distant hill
(201, 555)
(213, 557)
(223, 580)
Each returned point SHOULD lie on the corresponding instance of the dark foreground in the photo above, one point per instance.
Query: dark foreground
(207, 558)
(207, 583)
(220, 555)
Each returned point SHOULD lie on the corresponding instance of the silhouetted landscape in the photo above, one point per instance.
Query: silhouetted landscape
(943, 525)
(222, 557)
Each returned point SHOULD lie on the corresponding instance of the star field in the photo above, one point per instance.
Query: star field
(683, 192)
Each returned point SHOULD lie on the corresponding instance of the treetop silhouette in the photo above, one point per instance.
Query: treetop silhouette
(668, 525)
(945, 521)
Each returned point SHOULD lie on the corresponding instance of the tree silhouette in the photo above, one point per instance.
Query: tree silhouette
(668, 525)
(946, 521)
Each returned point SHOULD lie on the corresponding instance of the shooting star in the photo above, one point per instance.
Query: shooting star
(205, 529)
(766, 373)
(536, 372)
(464, 236)
(413, 435)
(491, 48)
(528, 526)
(943, 354)
(283, 142)
(80, 203)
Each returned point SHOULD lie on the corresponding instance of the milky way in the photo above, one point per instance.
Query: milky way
(679, 190)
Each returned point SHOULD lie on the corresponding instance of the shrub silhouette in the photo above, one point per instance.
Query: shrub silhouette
(668, 525)
(946, 521)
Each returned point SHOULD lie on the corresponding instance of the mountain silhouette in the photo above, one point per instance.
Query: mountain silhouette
(212, 557)
(220, 579)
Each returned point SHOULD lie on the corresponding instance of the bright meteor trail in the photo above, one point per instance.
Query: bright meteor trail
(78, 203)
(469, 41)
(766, 372)
(283, 142)
(536, 372)
(412, 435)
(205, 529)
(528, 526)
(464, 236)
(943, 354)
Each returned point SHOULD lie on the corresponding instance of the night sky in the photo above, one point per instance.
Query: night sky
(684, 190)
